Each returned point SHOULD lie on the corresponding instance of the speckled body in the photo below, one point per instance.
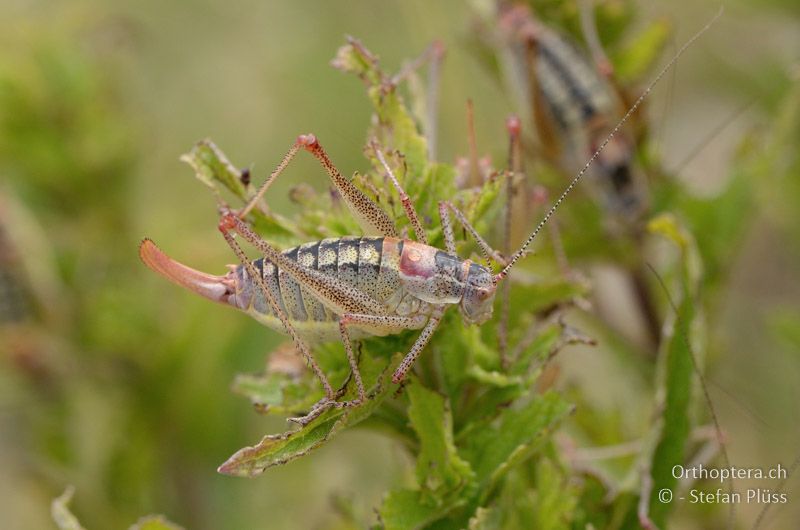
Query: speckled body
(407, 279)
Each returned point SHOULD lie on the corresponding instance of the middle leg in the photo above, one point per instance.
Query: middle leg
(393, 323)
(375, 323)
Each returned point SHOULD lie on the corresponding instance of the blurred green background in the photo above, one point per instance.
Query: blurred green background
(115, 382)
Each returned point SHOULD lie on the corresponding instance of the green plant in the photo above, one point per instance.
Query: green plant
(494, 446)
(482, 433)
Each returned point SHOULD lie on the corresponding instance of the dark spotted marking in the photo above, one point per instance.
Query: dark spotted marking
(347, 263)
(355, 261)
(370, 250)
(308, 256)
(292, 294)
(477, 269)
(449, 265)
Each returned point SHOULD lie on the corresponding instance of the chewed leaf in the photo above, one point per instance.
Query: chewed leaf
(276, 449)
(396, 128)
(62, 516)
(211, 165)
(279, 449)
(354, 58)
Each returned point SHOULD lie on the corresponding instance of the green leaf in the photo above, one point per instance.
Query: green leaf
(211, 165)
(719, 222)
(493, 377)
(519, 433)
(438, 183)
(592, 509)
(62, 516)
(405, 509)
(442, 475)
(277, 228)
(354, 58)
(277, 449)
(438, 465)
(671, 448)
(530, 297)
(640, 53)
(456, 354)
(554, 499)
(501, 389)
(668, 226)
(276, 393)
(540, 349)
(678, 369)
(396, 128)
(399, 130)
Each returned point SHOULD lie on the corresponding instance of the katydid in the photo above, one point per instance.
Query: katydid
(352, 287)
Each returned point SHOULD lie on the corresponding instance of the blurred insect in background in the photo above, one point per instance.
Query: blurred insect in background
(353, 287)
(573, 105)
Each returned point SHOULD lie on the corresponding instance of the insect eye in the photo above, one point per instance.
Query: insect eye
(483, 294)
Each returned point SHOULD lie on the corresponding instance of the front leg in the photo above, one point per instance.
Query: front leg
(390, 324)
(378, 325)
(423, 339)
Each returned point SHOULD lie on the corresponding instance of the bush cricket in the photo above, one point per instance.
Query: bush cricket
(573, 104)
(352, 287)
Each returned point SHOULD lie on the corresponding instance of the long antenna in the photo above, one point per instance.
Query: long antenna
(521, 252)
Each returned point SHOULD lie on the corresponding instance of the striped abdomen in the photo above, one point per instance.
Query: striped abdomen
(370, 264)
